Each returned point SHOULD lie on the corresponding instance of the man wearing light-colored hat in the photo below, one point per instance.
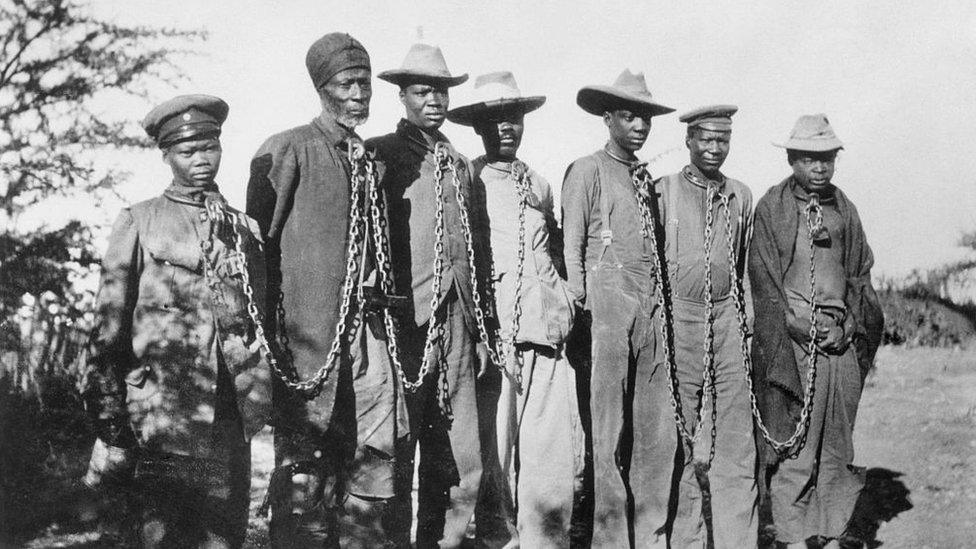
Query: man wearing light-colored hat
(538, 415)
(817, 328)
(707, 218)
(178, 381)
(338, 408)
(439, 234)
(607, 203)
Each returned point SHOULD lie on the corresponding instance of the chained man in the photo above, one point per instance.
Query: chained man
(439, 260)
(338, 411)
(538, 415)
(179, 380)
(607, 203)
(707, 218)
(818, 326)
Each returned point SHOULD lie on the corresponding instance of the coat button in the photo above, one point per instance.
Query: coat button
(213, 387)
(147, 368)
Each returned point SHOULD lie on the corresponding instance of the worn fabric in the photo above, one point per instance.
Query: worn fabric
(633, 435)
(444, 421)
(332, 54)
(828, 258)
(582, 218)
(776, 373)
(732, 484)
(299, 192)
(814, 494)
(409, 187)
(541, 439)
(184, 501)
(731, 477)
(539, 432)
(339, 498)
(546, 307)
(164, 334)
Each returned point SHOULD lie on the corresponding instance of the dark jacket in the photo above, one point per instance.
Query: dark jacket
(409, 188)
(775, 370)
(171, 351)
(299, 194)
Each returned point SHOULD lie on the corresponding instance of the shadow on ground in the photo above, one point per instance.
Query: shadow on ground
(883, 498)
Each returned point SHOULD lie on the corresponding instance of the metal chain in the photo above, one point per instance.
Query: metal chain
(523, 187)
(791, 447)
(708, 357)
(442, 155)
(641, 179)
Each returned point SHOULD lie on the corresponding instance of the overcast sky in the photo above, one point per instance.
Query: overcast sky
(896, 80)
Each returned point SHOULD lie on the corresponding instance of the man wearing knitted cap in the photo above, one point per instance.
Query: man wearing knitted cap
(707, 218)
(607, 206)
(439, 256)
(338, 414)
(538, 415)
(179, 380)
(818, 326)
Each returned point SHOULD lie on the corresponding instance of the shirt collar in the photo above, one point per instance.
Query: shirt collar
(826, 197)
(417, 137)
(695, 176)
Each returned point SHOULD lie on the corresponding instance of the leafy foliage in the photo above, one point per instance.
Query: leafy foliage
(56, 63)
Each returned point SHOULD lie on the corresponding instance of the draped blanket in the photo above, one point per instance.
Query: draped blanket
(776, 373)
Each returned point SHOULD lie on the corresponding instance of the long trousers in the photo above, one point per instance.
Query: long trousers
(339, 494)
(633, 433)
(444, 416)
(183, 501)
(814, 494)
(540, 439)
(730, 518)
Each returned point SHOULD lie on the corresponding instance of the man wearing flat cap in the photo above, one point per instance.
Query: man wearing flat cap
(179, 380)
(538, 415)
(818, 326)
(707, 218)
(338, 414)
(607, 203)
(439, 257)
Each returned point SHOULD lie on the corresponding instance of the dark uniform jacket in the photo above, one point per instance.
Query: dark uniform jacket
(299, 193)
(173, 349)
(409, 187)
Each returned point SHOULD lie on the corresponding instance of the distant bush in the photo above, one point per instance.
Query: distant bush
(915, 316)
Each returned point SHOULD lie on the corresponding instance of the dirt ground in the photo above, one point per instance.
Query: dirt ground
(916, 436)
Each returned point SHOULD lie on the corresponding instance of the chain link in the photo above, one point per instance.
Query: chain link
(523, 188)
(791, 447)
(641, 180)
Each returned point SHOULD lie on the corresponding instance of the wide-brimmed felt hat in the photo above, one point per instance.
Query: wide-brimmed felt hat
(717, 118)
(185, 117)
(812, 133)
(628, 91)
(423, 64)
(495, 92)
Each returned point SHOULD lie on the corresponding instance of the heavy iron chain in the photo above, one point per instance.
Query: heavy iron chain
(363, 174)
(791, 447)
(523, 188)
(442, 156)
(708, 357)
(641, 180)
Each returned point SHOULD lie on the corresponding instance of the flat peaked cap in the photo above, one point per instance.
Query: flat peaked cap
(629, 91)
(495, 93)
(332, 54)
(717, 118)
(812, 133)
(423, 64)
(185, 117)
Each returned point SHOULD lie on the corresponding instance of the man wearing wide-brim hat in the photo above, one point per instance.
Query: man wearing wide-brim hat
(607, 202)
(707, 217)
(179, 381)
(538, 421)
(439, 256)
(335, 434)
(816, 314)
